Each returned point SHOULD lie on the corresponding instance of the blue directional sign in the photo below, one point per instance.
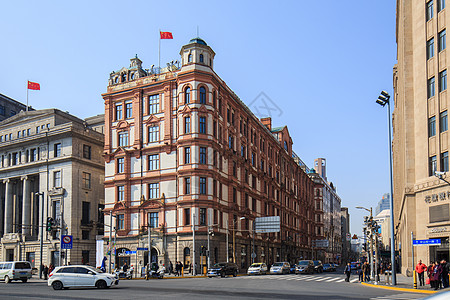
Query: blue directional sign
(66, 242)
(430, 242)
(142, 249)
(130, 252)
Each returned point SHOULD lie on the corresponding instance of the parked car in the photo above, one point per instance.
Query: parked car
(15, 270)
(223, 269)
(355, 265)
(80, 276)
(305, 267)
(292, 269)
(280, 268)
(257, 269)
(318, 267)
(329, 268)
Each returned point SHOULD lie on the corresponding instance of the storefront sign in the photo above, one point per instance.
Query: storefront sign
(437, 197)
(432, 242)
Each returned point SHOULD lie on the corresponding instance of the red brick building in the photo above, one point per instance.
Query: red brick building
(180, 143)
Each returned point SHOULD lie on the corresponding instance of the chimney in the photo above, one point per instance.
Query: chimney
(267, 122)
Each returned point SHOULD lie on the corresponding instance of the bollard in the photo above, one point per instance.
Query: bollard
(182, 272)
(204, 270)
(415, 279)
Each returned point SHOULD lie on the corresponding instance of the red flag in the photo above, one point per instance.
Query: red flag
(166, 35)
(33, 86)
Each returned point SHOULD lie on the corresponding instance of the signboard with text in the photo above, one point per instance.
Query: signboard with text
(267, 224)
(66, 242)
(429, 242)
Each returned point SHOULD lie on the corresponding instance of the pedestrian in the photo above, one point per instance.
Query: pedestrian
(387, 273)
(420, 270)
(125, 267)
(182, 269)
(360, 274)
(50, 269)
(190, 268)
(45, 272)
(430, 271)
(170, 267)
(347, 272)
(444, 275)
(437, 275)
(147, 271)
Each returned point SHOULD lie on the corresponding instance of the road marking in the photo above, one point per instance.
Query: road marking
(354, 280)
(402, 296)
(340, 280)
(323, 278)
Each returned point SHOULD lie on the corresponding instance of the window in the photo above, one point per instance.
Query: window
(203, 185)
(85, 234)
(442, 40)
(187, 124)
(33, 154)
(201, 58)
(429, 10)
(432, 165)
(153, 218)
(187, 155)
(443, 121)
(153, 134)
(202, 218)
(187, 216)
(86, 180)
(57, 150)
(85, 212)
(153, 104)
(121, 193)
(120, 222)
(431, 126)
(123, 138)
(202, 127)
(214, 99)
(118, 112)
(440, 5)
(153, 162)
(57, 179)
(87, 151)
(442, 81)
(431, 89)
(202, 95)
(120, 165)
(187, 185)
(190, 58)
(203, 155)
(230, 142)
(253, 159)
(128, 110)
(439, 213)
(153, 190)
(444, 162)
(430, 48)
(187, 95)
(234, 195)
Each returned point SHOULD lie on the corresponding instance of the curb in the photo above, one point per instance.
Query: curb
(398, 289)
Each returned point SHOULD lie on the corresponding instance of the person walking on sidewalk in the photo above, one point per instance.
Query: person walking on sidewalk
(347, 272)
(437, 275)
(420, 270)
(430, 271)
(45, 272)
(444, 274)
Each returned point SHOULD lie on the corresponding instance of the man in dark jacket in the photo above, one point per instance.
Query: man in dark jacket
(444, 273)
(347, 272)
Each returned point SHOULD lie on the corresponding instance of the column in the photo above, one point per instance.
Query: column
(26, 206)
(8, 206)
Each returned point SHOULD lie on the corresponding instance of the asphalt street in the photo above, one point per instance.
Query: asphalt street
(317, 286)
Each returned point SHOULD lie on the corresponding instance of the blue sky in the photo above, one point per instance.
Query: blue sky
(323, 63)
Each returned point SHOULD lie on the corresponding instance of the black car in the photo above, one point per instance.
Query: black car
(223, 269)
(305, 267)
(318, 267)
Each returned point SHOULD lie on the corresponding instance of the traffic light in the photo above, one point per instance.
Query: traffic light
(50, 223)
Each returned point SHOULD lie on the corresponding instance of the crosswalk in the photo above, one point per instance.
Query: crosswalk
(306, 278)
(402, 296)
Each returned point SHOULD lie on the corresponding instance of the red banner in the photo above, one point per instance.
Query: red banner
(166, 35)
(33, 86)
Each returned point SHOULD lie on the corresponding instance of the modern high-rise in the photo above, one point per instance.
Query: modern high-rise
(420, 128)
(181, 149)
(383, 204)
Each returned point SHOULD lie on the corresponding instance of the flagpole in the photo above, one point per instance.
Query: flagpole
(159, 54)
(27, 97)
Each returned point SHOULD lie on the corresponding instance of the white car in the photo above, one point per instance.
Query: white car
(80, 276)
(257, 269)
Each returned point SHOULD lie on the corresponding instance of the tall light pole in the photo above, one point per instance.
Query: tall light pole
(41, 232)
(383, 99)
(234, 238)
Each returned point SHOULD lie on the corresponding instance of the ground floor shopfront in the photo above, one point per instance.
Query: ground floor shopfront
(172, 248)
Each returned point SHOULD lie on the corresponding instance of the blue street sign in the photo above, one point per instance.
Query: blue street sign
(130, 252)
(66, 242)
(142, 249)
(426, 242)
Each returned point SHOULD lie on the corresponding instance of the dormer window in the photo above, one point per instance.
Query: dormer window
(187, 95)
(132, 76)
(190, 58)
(210, 62)
(201, 58)
(116, 80)
(124, 77)
(285, 146)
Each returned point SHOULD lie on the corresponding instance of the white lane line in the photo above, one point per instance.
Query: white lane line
(340, 280)
(354, 280)
(323, 278)
(333, 279)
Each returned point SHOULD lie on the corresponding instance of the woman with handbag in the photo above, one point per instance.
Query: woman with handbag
(430, 275)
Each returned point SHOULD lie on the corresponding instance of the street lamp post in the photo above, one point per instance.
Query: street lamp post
(41, 233)
(234, 238)
(383, 99)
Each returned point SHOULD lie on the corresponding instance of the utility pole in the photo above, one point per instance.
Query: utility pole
(61, 225)
(149, 236)
(193, 244)
(209, 252)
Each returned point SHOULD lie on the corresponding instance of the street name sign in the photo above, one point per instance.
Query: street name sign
(142, 249)
(432, 242)
(267, 224)
(66, 242)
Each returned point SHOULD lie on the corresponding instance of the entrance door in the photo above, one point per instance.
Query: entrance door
(9, 254)
(187, 258)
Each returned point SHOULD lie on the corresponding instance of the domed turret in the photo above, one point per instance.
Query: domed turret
(197, 52)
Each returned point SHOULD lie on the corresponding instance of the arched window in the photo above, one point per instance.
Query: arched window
(124, 77)
(187, 95)
(201, 58)
(187, 256)
(190, 58)
(202, 95)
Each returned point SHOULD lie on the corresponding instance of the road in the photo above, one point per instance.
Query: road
(318, 286)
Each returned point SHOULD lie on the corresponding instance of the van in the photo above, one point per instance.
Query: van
(15, 270)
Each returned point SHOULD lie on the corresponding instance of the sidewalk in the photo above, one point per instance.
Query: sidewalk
(404, 283)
